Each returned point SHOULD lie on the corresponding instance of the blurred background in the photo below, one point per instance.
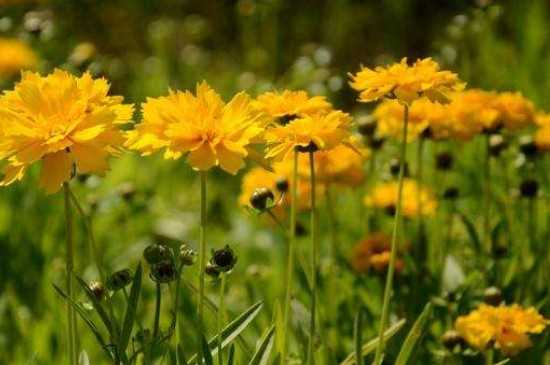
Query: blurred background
(145, 47)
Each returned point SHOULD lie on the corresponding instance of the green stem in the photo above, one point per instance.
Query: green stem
(333, 272)
(69, 271)
(396, 220)
(369, 179)
(489, 357)
(314, 254)
(221, 317)
(290, 258)
(419, 180)
(202, 255)
(176, 316)
(487, 196)
(156, 324)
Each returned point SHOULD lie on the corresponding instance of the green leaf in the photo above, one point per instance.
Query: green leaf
(206, 351)
(99, 309)
(91, 325)
(471, 229)
(505, 361)
(261, 357)
(372, 344)
(130, 316)
(357, 334)
(414, 335)
(232, 330)
(231, 357)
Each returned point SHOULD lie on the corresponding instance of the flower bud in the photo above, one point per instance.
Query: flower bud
(394, 167)
(97, 289)
(452, 339)
(529, 188)
(492, 296)
(163, 272)
(444, 161)
(261, 199)
(451, 193)
(376, 143)
(119, 279)
(497, 144)
(282, 185)
(366, 125)
(187, 255)
(156, 253)
(527, 146)
(224, 259)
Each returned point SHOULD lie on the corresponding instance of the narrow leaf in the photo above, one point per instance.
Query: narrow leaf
(231, 357)
(358, 336)
(98, 307)
(372, 344)
(261, 357)
(232, 330)
(130, 316)
(414, 335)
(206, 351)
(505, 361)
(472, 233)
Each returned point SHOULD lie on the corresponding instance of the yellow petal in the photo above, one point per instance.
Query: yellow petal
(203, 158)
(90, 159)
(229, 160)
(56, 169)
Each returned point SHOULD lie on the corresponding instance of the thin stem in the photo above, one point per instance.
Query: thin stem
(221, 317)
(419, 180)
(372, 169)
(314, 254)
(489, 357)
(290, 258)
(202, 257)
(487, 196)
(156, 324)
(396, 220)
(332, 274)
(69, 271)
(176, 316)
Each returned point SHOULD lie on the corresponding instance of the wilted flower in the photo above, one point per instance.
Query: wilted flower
(507, 326)
(373, 252)
(68, 123)
(315, 133)
(16, 56)
(288, 105)
(406, 83)
(202, 127)
(384, 196)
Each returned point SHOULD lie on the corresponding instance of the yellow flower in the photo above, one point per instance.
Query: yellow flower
(406, 83)
(507, 326)
(67, 123)
(515, 110)
(203, 127)
(384, 196)
(16, 56)
(470, 112)
(317, 133)
(542, 134)
(288, 105)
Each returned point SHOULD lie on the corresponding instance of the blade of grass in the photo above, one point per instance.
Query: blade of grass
(99, 309)
(206, 351)
(130, 315)
(261, 357)
(231, 356)
(414, 335)
(357, 336)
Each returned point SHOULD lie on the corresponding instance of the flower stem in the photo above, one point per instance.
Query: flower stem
(396, 220)
(487, 197)
(156, 324)
(489, 357)
(333, 268)
(177, 318)
(202, 254)
(419, 179)
(71, 317)
(221, 317)
(314, 254)
(290, 258)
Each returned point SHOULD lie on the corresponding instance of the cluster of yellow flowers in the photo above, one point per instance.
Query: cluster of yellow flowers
(417, 200)
(507, 327)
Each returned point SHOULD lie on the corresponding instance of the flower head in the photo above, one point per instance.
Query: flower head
(318, 132)
(542, 134)
(288, 105)
(202, 127)
(470, 112)
(384, 196)
(507, 326)
(515, 110)
(16, 56)
(406, 83)
(67, 123)
(373, 252)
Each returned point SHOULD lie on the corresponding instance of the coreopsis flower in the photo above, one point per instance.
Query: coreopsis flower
(16, 56)
(310, 133)
(202, 127)
(508, 327)
(288, 105)
(373, 252)
(69, 124)
(542, 134)
(384, 196)
(406, 82)
(515, 110)
(470, 112)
